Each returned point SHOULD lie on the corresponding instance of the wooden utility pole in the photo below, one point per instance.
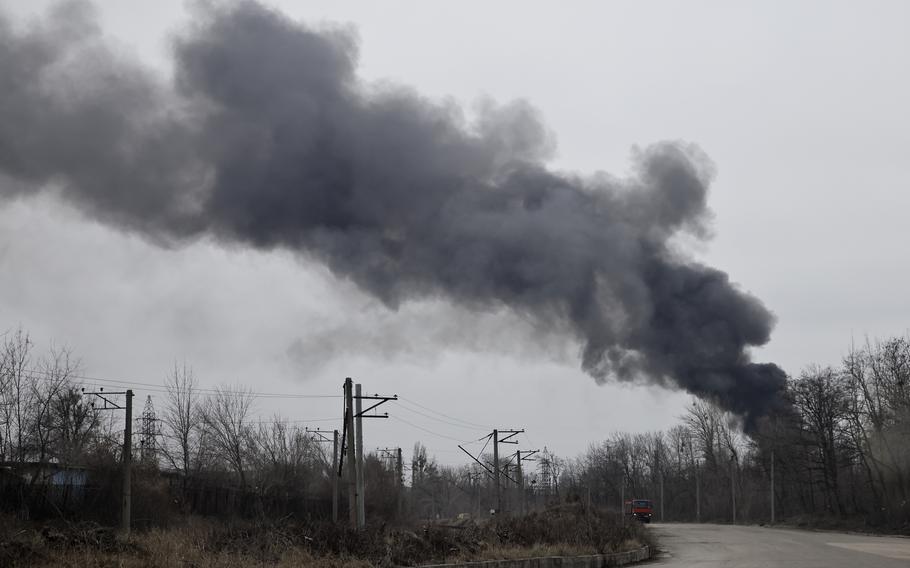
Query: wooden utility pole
(361, 510)
(351, 453)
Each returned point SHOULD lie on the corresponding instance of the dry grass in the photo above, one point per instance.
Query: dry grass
(573, 527)
(198, 543)
(204, 543)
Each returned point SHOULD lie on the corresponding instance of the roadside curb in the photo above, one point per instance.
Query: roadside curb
(590, 561)
(852, 532)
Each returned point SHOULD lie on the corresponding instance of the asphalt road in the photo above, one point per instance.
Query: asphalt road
(706, 546)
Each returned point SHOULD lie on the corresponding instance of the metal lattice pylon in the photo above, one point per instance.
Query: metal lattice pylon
(545, 475)
(148, 433)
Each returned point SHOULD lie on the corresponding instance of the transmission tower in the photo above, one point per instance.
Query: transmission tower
(545, 482)
(148, 433)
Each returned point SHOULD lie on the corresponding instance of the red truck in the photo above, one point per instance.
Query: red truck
(641, 509)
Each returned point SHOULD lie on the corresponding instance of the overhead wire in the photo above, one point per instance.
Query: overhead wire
(480, 453)
(203, 391)
(301, 421)
(405, 403)
(431, 417)
(427, 408)
(427, 430)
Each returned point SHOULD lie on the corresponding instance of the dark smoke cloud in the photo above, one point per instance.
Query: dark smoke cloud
(268, 138)
(414, 332)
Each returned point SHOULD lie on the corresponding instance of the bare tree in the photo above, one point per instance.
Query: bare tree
(879, 386)
(226, 417)
(16, 396)
(704, 423)
(182, 419)
(820, 396)
(75, 424)
(52, 380)
(287, 458)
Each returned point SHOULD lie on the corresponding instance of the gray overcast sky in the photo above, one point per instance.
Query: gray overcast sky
(801, 105)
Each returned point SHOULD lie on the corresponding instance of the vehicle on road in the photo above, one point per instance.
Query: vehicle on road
(641, 509)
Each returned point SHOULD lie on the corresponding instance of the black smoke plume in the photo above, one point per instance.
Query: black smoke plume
(267, 137)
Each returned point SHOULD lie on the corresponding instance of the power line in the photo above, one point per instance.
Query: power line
(161, 388)
(431, 417)
(164, 390)
(490, 437)
(301, 421)
(483, 426)
(428, 431)
(203, 391)
(438, 451)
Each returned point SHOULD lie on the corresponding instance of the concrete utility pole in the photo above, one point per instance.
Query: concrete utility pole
(126, 505)
(127, 459)
(661, 496)
(688, 445)
(320, 437)
(496, 470)
(399, 478)
(392, 461)
(697, 494)
(357, 511)
(622, 499)
(521, 485)
(495, 473)
(352, 455)
(498, 477)
(733, 488)
(660, 474)
(361, 511)
(335, 476)
(523, 456)
(772, 486)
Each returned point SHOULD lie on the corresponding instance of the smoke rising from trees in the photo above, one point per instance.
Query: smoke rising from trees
(267, 138)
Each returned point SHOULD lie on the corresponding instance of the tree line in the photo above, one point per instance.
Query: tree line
(839, 448)
(201, 436)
